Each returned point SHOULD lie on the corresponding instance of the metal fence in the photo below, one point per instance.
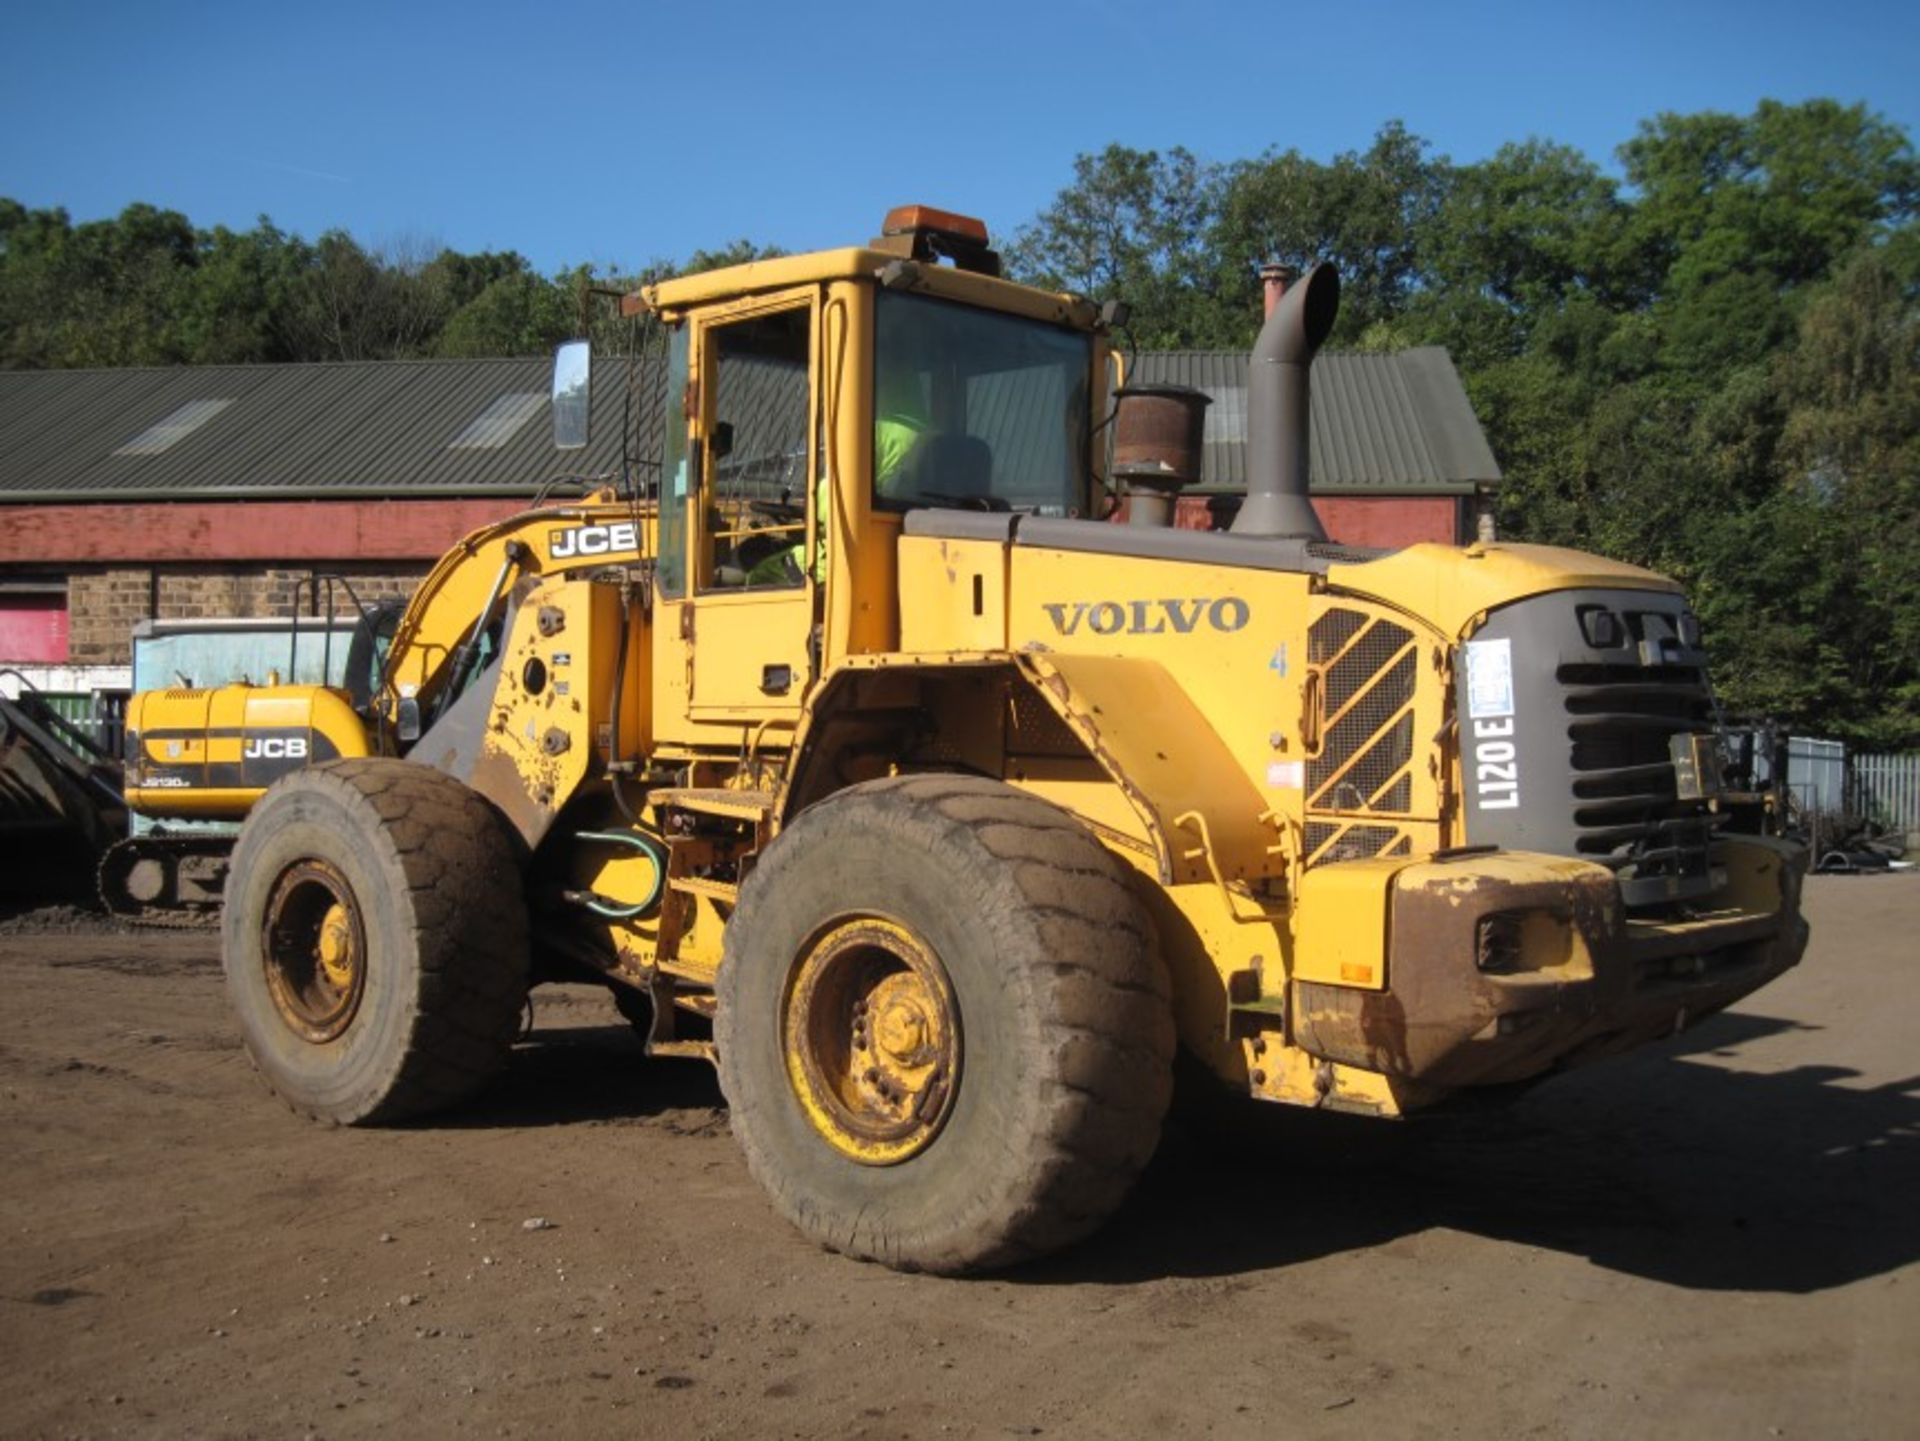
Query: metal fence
(1886, 790)
(1817, 775)
(98, 716)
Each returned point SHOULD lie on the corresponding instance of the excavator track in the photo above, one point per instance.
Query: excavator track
(167, 881)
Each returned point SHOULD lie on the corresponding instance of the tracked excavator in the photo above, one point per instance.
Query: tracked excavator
(196, 754)
(941, 835)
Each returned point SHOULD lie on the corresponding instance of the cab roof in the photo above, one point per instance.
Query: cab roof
(673, 298)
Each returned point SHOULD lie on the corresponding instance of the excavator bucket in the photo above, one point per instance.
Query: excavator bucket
(59, 808)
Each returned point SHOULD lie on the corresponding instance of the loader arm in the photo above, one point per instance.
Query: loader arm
(436, 646)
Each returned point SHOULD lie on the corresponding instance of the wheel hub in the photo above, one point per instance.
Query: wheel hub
(872, 1040)
(337, 950)
(314, 949)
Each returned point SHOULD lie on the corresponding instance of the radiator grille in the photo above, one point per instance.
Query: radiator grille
(1331, 633)
(1620, 723)
(1372, 778)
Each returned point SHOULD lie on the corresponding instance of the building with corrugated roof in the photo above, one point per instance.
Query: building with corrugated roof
(1397, 455)
(228, 490)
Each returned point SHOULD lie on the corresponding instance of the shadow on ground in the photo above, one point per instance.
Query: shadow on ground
(1658, 1165)
(577, 1074)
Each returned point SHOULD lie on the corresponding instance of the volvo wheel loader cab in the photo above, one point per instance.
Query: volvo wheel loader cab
(873, 763)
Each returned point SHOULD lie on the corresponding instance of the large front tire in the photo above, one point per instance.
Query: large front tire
(375, 940)
(944, 1029)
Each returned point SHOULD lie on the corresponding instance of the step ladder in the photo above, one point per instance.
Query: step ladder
(680, 813)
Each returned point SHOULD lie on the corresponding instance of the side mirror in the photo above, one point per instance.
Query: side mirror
(572, 394)
(407, 722)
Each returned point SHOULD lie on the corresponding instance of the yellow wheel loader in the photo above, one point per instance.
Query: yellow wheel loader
(878, 766)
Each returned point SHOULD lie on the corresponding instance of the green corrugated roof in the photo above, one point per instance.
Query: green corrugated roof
(1391, 424)
(375, 428)
(1381, 423)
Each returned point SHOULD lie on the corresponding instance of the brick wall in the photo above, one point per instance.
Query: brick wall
(102, 605)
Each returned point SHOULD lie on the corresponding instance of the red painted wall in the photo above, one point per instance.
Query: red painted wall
(420, 530)
(1403, 520)
(240, 530)
(33, 628)
(1387, 521)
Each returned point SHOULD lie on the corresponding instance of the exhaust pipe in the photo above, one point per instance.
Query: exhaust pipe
(1278, 464)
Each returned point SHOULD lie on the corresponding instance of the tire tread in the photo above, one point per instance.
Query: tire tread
(449, 851)
(1103, 1066)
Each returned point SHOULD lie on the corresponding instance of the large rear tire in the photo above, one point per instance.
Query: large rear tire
(375, 940)
(944, 1029)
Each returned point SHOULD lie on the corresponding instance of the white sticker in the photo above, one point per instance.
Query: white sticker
(1489, 678)
(1286, 775)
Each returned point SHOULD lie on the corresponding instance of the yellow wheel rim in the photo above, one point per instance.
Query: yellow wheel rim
(314, 947)
(871, 1037)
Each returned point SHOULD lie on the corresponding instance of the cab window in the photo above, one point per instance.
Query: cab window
(756, 453)
(977, 409)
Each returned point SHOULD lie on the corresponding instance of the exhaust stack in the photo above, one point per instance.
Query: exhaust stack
(1278, 464)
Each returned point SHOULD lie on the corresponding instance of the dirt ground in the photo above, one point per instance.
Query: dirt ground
(1717, 1237)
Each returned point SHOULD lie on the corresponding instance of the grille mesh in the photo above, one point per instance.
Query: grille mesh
(1354, 843)
(1363, 661)
(1398, 796)
(1331, 633)
(1382, 707)
(1370, 679)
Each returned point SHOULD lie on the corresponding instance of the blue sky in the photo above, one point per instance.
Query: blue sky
(615, 134)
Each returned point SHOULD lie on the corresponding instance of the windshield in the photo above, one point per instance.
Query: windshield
(978, 409)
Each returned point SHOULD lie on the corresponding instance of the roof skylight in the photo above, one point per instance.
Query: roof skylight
(500, 421)
(164, 434)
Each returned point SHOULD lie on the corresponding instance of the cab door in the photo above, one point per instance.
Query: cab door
(741, 569)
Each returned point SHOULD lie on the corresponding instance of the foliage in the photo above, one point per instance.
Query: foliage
(1136, 224)
(147, 288)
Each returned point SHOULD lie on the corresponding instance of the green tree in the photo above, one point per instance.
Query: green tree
(1134, 224)
(1364, 211)
(516, 314)
(1529, 238)
(1850, 454)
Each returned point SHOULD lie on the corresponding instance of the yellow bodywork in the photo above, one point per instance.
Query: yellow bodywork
(207, 754)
